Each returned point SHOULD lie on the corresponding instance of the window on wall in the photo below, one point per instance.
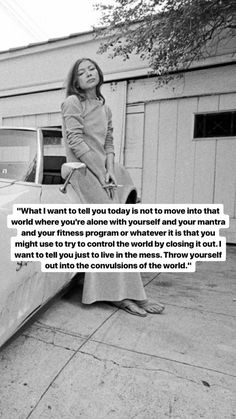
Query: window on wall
(217, 124)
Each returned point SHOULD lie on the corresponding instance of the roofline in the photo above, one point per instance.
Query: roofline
(49, 41)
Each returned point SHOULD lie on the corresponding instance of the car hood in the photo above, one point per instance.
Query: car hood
(13, 192)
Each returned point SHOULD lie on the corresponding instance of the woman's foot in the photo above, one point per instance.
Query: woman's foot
(130, 307)
(151, 307)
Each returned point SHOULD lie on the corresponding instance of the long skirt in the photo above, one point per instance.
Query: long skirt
(105, 286)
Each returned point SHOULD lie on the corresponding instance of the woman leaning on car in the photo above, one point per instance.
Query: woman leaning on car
(87, 131)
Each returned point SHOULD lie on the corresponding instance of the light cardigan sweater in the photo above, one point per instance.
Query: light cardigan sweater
(87, 125)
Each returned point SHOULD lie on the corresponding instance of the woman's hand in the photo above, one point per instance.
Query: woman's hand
(108, 187)
(110, 183)
(110, 177)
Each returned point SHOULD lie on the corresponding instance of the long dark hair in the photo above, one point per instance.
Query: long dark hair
(72, 86)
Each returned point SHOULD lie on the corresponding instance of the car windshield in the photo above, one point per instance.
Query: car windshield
(18, 154)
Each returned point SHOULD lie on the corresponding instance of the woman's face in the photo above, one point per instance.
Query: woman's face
(88, 76)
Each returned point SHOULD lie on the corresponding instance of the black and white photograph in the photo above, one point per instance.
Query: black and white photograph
(123, 113)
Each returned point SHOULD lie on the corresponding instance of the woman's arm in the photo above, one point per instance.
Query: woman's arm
(110, 174)
(109, 149)
(72, 113)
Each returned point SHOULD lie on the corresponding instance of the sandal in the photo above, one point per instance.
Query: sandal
(131, 307)
(150, 307)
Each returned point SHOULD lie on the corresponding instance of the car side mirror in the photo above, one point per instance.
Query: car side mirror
(67, 171)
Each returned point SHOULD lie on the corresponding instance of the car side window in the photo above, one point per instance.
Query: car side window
(18, 154)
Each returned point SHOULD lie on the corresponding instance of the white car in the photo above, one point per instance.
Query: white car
(33, 170)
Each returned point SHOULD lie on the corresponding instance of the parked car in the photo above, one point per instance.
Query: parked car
(33, 170)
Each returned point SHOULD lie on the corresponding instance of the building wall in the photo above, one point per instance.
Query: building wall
(45, 67)
(168, 164)
(153, 127)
